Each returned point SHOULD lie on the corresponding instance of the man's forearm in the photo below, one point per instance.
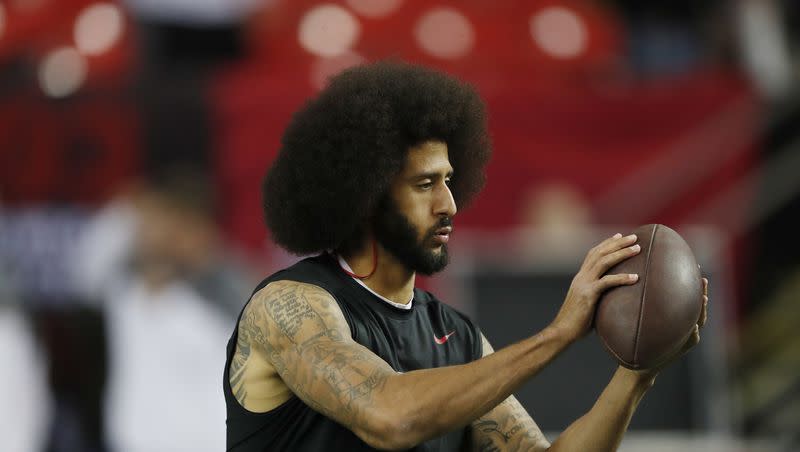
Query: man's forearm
(602, 428)
(434, 401)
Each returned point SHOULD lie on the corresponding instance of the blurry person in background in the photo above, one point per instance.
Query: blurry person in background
(555, 224)
(155, 258)
(23, 387)
(36, 240)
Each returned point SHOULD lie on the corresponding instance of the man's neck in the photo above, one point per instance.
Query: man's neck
(391, 279)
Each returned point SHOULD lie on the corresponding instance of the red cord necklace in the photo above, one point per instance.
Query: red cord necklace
(374, 263)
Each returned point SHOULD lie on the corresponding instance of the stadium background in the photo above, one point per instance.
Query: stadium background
(134, 135)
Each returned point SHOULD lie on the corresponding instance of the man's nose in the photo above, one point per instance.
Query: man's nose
(445, 203)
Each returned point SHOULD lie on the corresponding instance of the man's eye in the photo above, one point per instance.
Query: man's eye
(426, 185)
(447, 181)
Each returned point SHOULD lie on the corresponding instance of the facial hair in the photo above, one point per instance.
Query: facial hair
(401, 238)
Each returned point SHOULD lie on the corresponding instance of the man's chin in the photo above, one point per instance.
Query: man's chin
(434, 244)
(435, 261)
(436, 252)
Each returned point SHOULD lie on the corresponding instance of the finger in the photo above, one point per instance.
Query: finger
(612, 244)
(596, 249)
(705, 286)
(703, 312)
(609, 246)
(612, 259)
(621, 279)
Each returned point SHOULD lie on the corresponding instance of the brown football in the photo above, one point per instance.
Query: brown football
(643, 324)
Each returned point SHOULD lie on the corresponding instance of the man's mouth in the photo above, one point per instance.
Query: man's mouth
(442, 235)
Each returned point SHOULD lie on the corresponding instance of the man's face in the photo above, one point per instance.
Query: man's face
(415, 221)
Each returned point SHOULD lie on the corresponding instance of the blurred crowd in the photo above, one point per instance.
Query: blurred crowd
(134, 134)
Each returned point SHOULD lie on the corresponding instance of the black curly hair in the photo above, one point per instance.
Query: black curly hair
(341, 151)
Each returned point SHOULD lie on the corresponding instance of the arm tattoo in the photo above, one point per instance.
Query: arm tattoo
(486, 445)
(508, 427)
(289, 312)
(302, 332)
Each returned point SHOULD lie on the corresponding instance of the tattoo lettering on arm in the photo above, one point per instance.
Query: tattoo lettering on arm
(507, 427)
(308, 342)
(289, 309)
(488, 446)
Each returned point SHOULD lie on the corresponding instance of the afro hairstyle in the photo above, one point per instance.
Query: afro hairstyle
(341, 151)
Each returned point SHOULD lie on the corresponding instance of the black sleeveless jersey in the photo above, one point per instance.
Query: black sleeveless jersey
(430, 334)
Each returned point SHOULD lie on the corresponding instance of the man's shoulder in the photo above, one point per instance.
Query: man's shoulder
(311, 264)
(313, 270)
(291, 304)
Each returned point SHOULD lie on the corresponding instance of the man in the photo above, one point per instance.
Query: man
(153, 260)
(340, 351)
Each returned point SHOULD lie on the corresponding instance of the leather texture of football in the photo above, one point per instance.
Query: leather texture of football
(644, 323)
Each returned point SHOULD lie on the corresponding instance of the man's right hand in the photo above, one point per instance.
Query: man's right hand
(574, 319)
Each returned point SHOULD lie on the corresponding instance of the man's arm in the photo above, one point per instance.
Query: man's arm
(508, 427)
(306, 338)
(602, 428)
